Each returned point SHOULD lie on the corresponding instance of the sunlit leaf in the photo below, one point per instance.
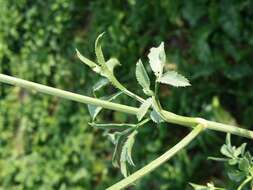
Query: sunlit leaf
(88, 62)
(112, 63)
(157, 59)
(174, 79)
(98, 50)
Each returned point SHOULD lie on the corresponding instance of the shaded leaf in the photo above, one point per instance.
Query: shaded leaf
(100, 84)
(156, 117)
(95, 110)
(118, 139)
(157, 59)
(174, 79)
(236, 175)
(144, 108)
(126, 153)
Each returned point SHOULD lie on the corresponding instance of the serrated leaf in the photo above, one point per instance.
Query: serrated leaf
(119, 139)
(95, 110)
(174, 79)
(157, 59)
(98, 50)
(88, 62)
(156, 117)
(126, 153)
(116, 126)
(142, 76)
(112, 63)
(144, 108)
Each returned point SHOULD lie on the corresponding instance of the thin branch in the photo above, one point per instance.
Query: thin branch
(169, 116)
(159, 161)
(247, 180)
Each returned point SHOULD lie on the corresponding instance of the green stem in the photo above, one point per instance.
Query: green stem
(157, 162)
(247, 180)
(67, 95)
(118, 85)
(143, 122)
(169, 116)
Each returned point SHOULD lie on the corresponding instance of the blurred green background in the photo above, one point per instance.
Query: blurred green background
(46, 143)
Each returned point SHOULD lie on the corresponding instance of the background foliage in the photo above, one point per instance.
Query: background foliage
(45, 142)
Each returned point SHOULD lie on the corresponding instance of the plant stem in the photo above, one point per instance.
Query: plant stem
(118, 85)
(67, 95)
(247, 180)
(169, 116)
(159, 161)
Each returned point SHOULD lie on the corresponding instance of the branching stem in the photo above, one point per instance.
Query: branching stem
(169, 116)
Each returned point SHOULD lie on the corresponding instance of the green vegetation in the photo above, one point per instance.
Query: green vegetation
(46, 143)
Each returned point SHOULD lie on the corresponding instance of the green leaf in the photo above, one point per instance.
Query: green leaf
(144, 108)
(100, 84)
(98, 50)
(112, 63)
(244, 165)
(236, 175)
(115, 126)
(88, 62)
(157, 59)
(209, 186)
(156, 117)
(174, 79)
(126, 153)
(227, 151)
(118, 139)
(95, 110)
(142, 76)
(240, 150)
